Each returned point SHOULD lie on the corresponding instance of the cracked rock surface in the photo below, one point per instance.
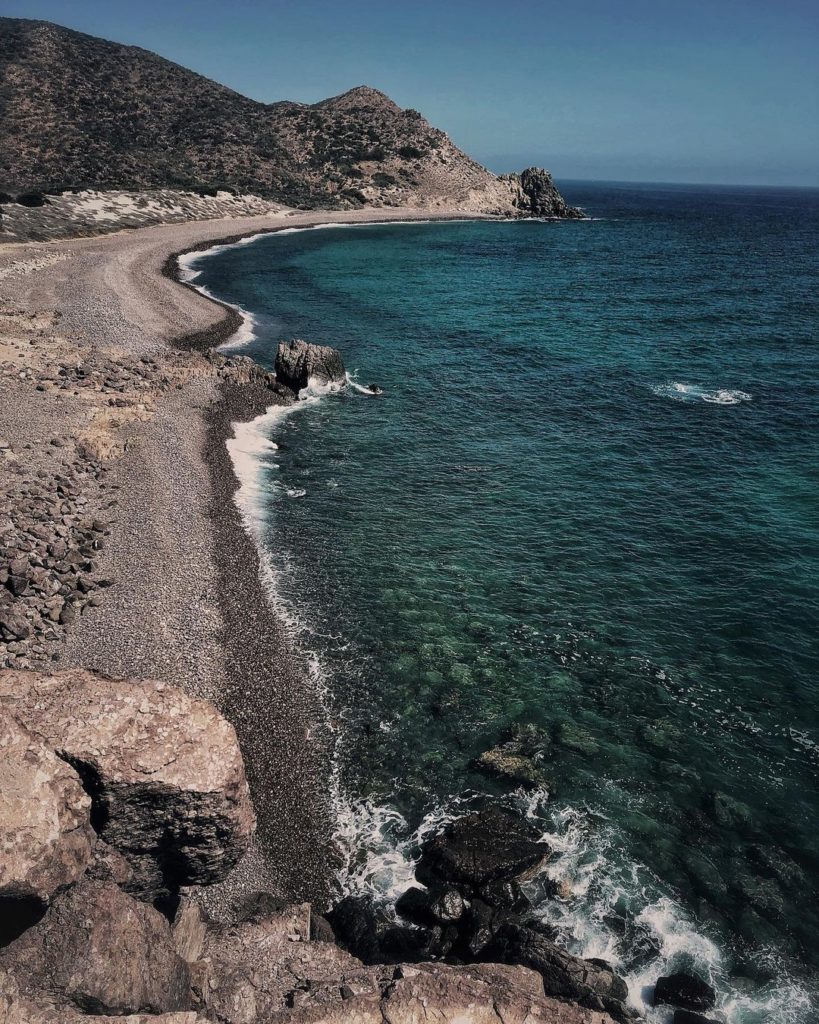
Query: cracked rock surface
(46, 837)
(164, 771)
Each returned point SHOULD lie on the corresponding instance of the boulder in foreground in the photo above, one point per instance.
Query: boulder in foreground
(103, 951)
(164, 771)
(46, 837)
(298, 363)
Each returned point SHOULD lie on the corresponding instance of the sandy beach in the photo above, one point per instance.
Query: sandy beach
(100, 354)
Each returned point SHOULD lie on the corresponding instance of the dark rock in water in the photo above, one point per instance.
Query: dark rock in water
(298, 362)
(359, 927)
(415, 905)
(479, 926)
(483, 847)
(590, 983)
(688, 991)
(506, 895)
(517, 759)
(688, 1017)
(536, 195)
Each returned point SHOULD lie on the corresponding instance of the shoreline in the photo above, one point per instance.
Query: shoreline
(203, 621)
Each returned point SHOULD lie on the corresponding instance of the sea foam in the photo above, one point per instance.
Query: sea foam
(697, 393)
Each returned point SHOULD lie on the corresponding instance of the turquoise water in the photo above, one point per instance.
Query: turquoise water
(588, 500)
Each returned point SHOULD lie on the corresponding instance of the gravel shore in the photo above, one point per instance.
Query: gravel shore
(138, 418)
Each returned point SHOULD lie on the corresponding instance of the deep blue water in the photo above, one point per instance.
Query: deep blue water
(588, 500)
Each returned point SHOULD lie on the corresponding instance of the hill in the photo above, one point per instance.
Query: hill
(80, 112)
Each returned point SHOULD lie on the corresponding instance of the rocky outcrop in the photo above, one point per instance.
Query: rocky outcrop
(591, 983)
(534, 194)
(46, 837)
(269, 970)
(164, 771)
(688, 991)
(474, 911)
(479, 994)
(103, 952)
(298, 363)
(492, 845)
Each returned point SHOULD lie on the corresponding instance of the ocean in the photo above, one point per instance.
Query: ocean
(587, 502)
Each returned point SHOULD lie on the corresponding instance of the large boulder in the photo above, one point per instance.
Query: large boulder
(481, 848)
(103, 952)
(164, 771)
(46, 838)
(688, 991)
(298, 363)
(591, 983)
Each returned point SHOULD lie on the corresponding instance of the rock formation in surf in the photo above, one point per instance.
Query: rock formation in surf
(298, 363)
(535, 195)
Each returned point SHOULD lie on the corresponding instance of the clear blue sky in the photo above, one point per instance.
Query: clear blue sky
(642, 90)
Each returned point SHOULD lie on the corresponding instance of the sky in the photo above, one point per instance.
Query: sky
(722, 91)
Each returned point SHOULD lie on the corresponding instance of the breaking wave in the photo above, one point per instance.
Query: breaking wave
(696, 393)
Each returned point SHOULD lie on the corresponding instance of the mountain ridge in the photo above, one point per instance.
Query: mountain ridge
(79, 112)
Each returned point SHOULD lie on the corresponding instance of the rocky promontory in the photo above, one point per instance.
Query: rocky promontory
(75, 158)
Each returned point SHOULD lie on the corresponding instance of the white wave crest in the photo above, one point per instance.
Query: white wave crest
(696, 393)
(352, 381)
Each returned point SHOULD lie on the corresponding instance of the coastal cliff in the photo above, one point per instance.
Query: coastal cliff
(85, 116)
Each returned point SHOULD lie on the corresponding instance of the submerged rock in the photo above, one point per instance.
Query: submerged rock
(46, 839)
(298, 362)
(688, 991)
(103, 951)
(518, 759)
(486, 846)
(164, 771)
